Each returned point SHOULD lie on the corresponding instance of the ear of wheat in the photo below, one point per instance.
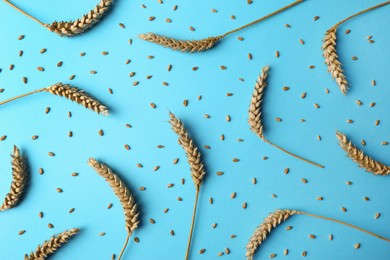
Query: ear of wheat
(364, 161)
(194, 160)
(278, 217)
(203, 44)
(19, 181)
(78, 26)
(265, 228)
(332, 61)
(50, 246)
(122, 192)
(181, 45)
(71, 93)
(330, 52)
(255, 114)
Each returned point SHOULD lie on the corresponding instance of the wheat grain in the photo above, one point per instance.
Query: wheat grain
(330, 52)
(203, 44)
(364, 161)
(192, 152)
(71, 93)
(279, 216)
(53, 244)
(122, 192)
(78, 26)
(19, 181)
(255, 114)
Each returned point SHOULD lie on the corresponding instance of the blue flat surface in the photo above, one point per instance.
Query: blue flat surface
(89, 194)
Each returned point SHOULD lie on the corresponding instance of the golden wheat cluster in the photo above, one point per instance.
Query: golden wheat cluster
(192, 152)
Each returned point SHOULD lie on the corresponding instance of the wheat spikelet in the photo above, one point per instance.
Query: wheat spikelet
(332, 59)
(358, 156)
(78, 26)
(262, 231)
(192, 152)
(78, 96)
(255, 114)
(122, 192)
(207, 43)
(50, 246)
(71, 93)
(255, 107)
(19, 180)
(181, 45)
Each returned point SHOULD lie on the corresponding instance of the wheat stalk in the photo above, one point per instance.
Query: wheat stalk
(195, 161)
(78, 26)
(278, 217)
(330, 51)
(358, 156)
(255, 114)
(50, 246)
(19, 180)
(120, 189)
(71, 93)
(262, 231)
(203, 44)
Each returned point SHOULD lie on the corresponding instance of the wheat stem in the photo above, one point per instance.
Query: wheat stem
(361, 12)
(293, 155)
(345, 224)
(206, 43)
(192, 225)
(263, 18)
(21, 96)
(23, 12)
(124, 246)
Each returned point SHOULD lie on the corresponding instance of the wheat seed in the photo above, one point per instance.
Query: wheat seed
(122, 192)
(203, 44)
(19, 181)
(71, 93)
(78, 26)
(50, 246)
(364, 161)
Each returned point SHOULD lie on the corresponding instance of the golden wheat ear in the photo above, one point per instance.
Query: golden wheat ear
(358, 156)
(181, 45)
(330, 52)
(50, 246)
(207, 43)
(76, 27)
(278, 217)
(19, 181)
(72, 93)
(127, 200)
(196, 165)
(255, 114)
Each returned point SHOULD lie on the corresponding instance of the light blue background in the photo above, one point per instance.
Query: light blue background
(89, 194)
